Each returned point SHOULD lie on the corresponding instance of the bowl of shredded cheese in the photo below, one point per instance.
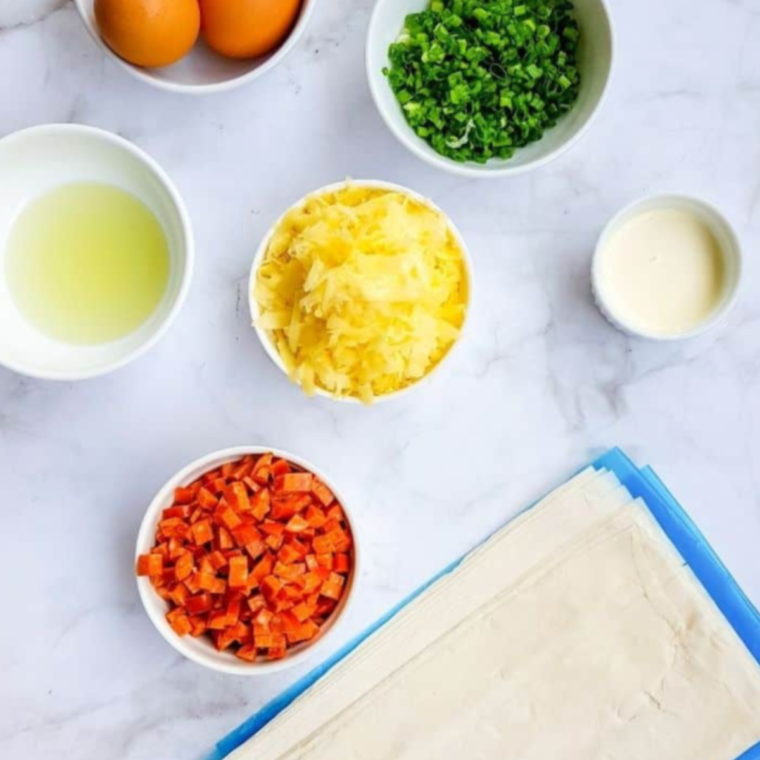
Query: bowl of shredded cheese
(360, 291)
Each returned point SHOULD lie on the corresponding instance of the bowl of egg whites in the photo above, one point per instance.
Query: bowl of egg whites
(196, 46)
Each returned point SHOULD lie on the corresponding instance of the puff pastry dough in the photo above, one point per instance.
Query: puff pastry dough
(576, 632)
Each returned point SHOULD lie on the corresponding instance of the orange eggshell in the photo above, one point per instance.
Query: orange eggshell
(247, 28)
(149, 33)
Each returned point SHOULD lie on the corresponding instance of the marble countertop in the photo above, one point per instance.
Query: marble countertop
(541, 386)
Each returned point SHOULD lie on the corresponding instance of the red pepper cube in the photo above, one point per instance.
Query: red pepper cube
(202, 532)
(150, 564)
(233, 610)
(246, 534)
(217, 620)
(270, 586)
(180, 623)
(207, 500)
(341, 563)
(296, 524)
(261, 469)
(224, 539)
(301, 612)
(247, 652)
(288, 554)
(198, 604)
(217, 559)
(236, 494)
(263, 568)
(294, 482)
(284, 506)
(322, 492)
(197, 626)
(261, 504)
(181, 512)
(280, 467)
(229, 518)
(311, 582)
(274, 542)
(315, 517)
(238, 577)
(322, 545)
(179, 594)
(184, 495)
(255, 549)
(332, 588)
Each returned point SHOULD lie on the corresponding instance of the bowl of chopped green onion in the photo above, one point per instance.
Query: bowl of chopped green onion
(489, 88)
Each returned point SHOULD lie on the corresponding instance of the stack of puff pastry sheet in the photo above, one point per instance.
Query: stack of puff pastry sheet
(576, 632)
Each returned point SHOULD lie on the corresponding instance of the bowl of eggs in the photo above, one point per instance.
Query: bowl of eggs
(196, 46)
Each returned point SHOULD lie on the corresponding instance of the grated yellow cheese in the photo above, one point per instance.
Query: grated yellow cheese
(362, 291)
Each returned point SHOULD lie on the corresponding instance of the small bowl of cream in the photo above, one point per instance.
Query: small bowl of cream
(667, 268)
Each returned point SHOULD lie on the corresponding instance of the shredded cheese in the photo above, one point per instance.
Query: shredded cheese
(362, 291)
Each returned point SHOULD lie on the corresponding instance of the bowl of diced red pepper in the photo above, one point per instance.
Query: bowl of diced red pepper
(246, 560)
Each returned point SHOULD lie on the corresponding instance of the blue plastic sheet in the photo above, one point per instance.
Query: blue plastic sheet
(674, 521)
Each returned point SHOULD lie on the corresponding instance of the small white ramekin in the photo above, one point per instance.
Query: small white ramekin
(724, 234)
(271, 349)
(36, 160)
(595, 63)
(201, 650)
(201, 71)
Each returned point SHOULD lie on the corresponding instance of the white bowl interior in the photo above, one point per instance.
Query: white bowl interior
(201, 650)
(724, 235)
(594, 62)
(202, 70)
(35, 161)
(268, 344)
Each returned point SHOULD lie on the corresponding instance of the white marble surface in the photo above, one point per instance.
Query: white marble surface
(542, 385)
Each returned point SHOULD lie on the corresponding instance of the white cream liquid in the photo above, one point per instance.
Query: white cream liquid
(663, 272)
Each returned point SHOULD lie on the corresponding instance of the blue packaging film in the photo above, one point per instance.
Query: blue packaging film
(674, 521)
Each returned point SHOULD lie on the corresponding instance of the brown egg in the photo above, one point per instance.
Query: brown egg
(149, 33)
(247, 28)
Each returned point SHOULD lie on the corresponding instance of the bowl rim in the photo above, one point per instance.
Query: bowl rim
(145, 540)
(187, 251)
(307, 10)
(253, 307)
(403, 133)
(661, 201)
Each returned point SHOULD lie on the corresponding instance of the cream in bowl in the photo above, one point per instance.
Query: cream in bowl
(667, 268)
(360, 290)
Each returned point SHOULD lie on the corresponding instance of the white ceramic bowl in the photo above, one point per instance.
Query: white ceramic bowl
(39, 159)
(267, 343)
(724, 235)
(202, 70)
(201, 650)
(595, 62)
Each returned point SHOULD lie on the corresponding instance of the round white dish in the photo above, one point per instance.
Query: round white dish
(724, 235)
(201, 71)
(595, 62)
(271, 349)
(201, 650)
(36, 160)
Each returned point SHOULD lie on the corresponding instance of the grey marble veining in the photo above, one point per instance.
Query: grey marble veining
(541, 385)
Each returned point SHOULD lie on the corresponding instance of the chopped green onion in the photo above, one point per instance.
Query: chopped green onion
(478, 79)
